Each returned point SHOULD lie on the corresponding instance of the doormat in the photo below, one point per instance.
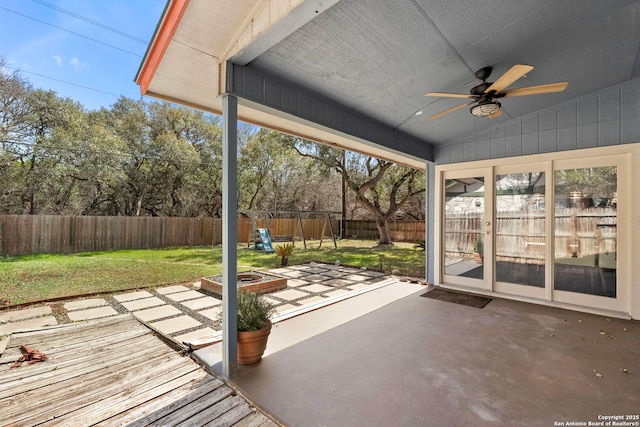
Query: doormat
(457, 297)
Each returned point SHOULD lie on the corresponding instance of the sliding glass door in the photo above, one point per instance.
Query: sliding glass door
(520, 230)
(586, 232)
(549, 230)
(467, 233)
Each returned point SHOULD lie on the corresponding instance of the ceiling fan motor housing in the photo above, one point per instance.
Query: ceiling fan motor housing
(479, 90)
(485, 108)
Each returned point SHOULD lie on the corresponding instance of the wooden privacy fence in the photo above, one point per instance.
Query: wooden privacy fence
(401, 231)
(33, 234)
(518, 238)
(521, 238)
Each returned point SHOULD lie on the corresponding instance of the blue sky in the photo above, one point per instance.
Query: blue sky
(63, 45)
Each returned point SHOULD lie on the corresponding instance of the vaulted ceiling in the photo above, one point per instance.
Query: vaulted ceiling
(379, 58)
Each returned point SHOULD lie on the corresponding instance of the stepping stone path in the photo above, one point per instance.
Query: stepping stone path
(187, 314)
(88, 309)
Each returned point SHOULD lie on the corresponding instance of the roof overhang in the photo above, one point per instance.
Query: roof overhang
(188, 57)
(354, 73)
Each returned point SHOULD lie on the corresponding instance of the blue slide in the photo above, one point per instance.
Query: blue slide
(265, 240)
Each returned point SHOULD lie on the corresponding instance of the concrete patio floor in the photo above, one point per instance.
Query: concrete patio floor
(418, 361)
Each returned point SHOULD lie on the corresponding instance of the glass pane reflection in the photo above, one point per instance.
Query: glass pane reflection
(520, 228)
(586, 230)
(464, 218)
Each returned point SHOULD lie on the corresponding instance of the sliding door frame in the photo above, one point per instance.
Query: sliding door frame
(625, 157)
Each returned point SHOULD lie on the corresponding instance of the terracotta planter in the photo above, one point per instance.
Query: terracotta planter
(251, 345)
(477, 257)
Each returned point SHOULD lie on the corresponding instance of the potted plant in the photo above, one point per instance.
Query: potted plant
(254, 326)
(284, 252)
(477, 251)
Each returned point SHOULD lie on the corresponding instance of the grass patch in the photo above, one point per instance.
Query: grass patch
(38, 277)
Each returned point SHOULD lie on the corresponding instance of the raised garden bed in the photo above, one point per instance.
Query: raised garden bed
(253, 281)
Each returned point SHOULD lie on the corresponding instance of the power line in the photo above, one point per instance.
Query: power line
(72, 32)
(63, 81)
(90, 21)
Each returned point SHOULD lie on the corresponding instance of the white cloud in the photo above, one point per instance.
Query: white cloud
(58, 60)
(77, 64)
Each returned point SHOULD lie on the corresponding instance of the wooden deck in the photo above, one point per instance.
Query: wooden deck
(113, 372)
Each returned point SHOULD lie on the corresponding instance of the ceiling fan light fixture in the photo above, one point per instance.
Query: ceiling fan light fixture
(485, 93)
(485, 109)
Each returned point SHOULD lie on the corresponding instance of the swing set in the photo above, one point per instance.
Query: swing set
(290, 231)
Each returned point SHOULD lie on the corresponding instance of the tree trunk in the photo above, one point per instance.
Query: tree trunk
(32, 203)
(383, 231)
(139, 206)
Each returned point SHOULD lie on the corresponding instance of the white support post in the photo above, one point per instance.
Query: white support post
(229, 235)
(430, 229)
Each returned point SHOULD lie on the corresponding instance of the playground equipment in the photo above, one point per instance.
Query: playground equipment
(263, 239)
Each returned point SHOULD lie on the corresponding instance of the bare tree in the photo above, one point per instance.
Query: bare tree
(381, 187)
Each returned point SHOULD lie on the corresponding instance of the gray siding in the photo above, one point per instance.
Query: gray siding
(608, 117)
(270, 92)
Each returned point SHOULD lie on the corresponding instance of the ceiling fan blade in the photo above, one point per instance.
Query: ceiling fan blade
(534, 90)
(448, 95)
(514, 73)
(496, 114)
(450, 110)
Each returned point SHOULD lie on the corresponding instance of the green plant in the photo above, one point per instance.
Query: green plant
(254, 311)
(420, 245)
(284, 252)
(477, 247)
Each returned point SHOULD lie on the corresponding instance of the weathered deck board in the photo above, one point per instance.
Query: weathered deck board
(112, 372)
(163, 405)
(64, 339)
(210, 412)
(187, 413)
(67, 370)
(74, 350)
(255, 419)
(231, 417)
(80, 400)
(71, 329)
(114, 404)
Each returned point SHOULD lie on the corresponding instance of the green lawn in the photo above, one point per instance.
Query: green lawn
(39, 277)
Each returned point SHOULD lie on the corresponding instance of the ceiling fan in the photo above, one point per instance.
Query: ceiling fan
(485, 94)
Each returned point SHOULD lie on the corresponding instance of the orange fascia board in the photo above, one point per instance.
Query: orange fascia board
(164, 33)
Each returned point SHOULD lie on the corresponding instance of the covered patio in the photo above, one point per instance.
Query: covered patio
(354, 74)
(419, 361)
